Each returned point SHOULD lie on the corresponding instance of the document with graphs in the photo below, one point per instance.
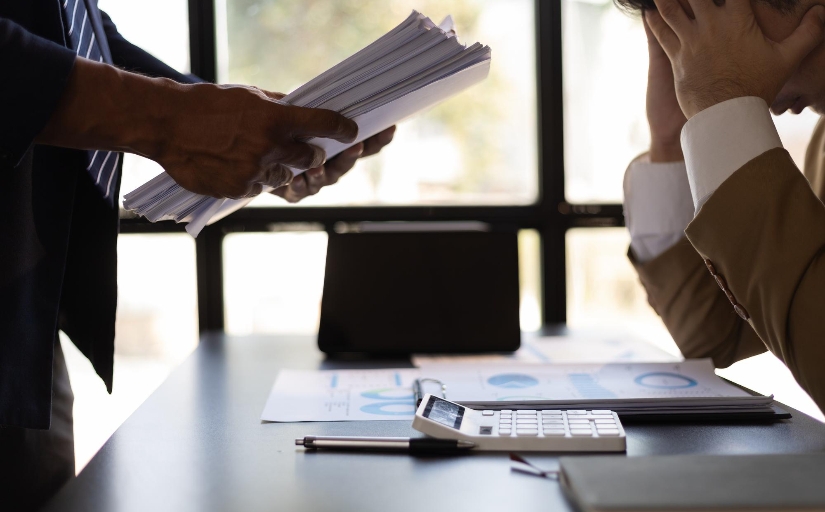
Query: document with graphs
(413, 67)
(688, 388)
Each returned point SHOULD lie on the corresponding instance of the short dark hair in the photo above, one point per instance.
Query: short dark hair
(636, 6)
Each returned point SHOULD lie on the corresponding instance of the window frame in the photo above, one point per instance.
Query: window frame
(551, 215)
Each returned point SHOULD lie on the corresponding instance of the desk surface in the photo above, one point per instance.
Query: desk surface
(197, 444)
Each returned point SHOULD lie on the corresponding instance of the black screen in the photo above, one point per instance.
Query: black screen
(421, 292)
(444, 412)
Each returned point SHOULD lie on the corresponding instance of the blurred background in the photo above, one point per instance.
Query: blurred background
(479, 148)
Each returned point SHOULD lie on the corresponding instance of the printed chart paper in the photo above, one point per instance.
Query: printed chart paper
(632, 381)
(341, 395)
(631, 388)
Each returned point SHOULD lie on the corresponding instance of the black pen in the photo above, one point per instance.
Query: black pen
(419, 445)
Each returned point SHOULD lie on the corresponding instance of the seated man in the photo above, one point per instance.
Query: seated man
(750, 275)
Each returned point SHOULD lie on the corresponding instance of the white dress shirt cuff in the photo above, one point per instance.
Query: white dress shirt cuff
(719, 140)
(657, 206)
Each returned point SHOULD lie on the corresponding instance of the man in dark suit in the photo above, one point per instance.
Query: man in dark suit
(74, 94)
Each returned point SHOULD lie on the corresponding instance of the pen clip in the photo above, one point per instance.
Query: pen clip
(418, 389)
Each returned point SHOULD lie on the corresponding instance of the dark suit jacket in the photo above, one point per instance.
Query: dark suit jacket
(58, 237)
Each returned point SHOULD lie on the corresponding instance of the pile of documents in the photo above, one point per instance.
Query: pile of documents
(411, 68)
(688, 387)
(634, 390)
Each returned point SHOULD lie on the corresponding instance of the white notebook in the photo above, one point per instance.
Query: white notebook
(409, 69)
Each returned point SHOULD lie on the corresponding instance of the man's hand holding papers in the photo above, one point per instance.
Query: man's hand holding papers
(409, 69)
(313, 180)
(248, 131)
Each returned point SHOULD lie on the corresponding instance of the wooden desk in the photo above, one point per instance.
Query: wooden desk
(197, 444)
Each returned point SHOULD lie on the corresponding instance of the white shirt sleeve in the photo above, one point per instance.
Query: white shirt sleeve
(719, 140)
(657, 206)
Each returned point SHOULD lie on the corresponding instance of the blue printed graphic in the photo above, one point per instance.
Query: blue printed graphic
(389, 408)
(587, 386)
(334, 383)
(512, 381)
(397, 379)
(388, 394)
(664, 380)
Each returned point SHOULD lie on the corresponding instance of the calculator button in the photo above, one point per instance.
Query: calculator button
(505, 420)
(506, 414)
(527, 420)
(487, 413)
(577, 432)
(553, 422)
(576, 413)
(600, 421)
(506, 411)
(576, 421)
(526, 412)
(554, 433)
(551, 413)
(608, 432)
(601, 413)
(521, 432)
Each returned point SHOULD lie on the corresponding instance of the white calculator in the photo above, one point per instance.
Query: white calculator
(550, 430)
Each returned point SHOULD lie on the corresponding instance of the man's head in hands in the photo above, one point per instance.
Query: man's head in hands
(723, 49)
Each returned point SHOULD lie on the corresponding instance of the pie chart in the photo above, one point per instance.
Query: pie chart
(665, 380)
(512, 381)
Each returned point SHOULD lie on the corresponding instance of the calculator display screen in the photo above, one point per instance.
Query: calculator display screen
(444, 412)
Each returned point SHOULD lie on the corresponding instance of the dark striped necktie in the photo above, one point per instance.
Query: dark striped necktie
(101, 165)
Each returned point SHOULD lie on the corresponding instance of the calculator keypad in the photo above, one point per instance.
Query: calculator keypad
(551, 423)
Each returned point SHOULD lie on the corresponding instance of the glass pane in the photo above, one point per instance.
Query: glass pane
(795, 132)
(477, 148)
(603, 289)
(161, 27)
(605, 77)
(156, 329)
(529, 268)
(274, 282)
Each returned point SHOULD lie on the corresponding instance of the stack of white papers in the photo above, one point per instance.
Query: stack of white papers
(659, 390)
(411, 68)
(638, 389)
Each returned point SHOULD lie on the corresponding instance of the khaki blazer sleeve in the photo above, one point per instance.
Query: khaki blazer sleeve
(695, 311)
(764, 232)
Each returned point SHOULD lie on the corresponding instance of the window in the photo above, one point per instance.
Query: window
(605, 77)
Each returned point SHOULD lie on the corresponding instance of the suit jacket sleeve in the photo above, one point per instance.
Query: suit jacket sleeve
(764, 232)
(35, 73)
(694, 309)
(131, 58)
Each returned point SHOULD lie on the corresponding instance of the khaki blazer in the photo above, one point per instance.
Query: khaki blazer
(750, 276)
